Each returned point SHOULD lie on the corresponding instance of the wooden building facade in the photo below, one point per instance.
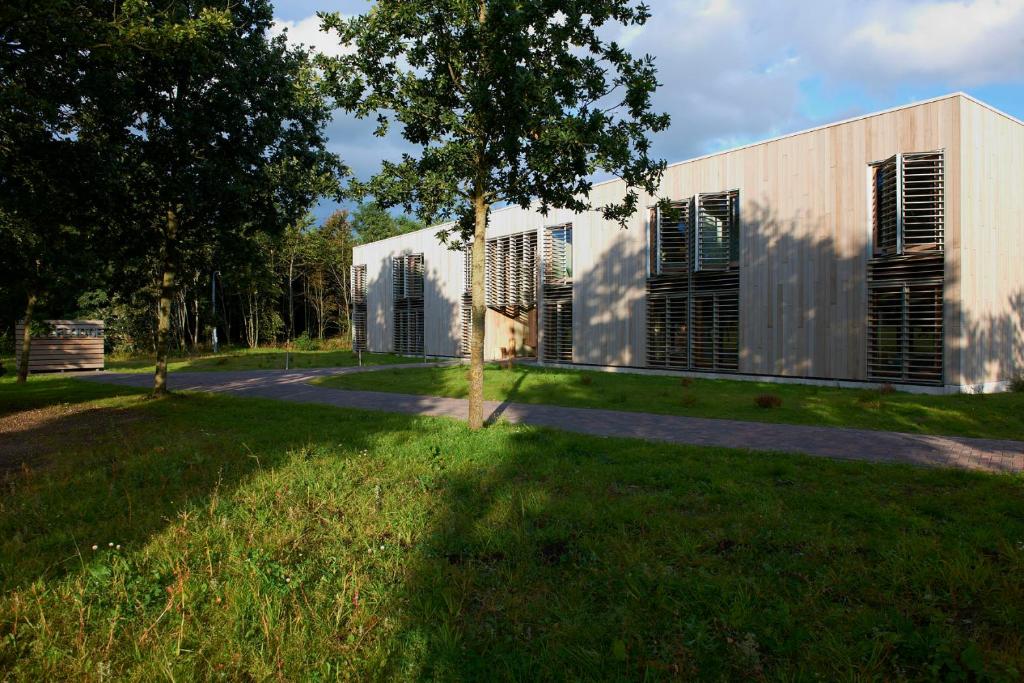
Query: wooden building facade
(884, 249)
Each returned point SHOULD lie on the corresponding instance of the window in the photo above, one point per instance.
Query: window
(906, 274)
(908, 204)
(359, 308)
(716, 245)
(407, 289)
(557, 294)
(558, 254)
(693, 290)
(467, 299)
(672, 237)
(512, 272)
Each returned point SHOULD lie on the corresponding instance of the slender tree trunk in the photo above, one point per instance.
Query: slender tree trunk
(26, 338)
(291, 297)
(163, 327)
(476, 347)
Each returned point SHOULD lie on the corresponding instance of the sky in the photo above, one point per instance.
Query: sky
(738, 71)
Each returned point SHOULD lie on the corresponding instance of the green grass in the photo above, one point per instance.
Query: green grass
(991, 416)
(262, 358)
(269, 540)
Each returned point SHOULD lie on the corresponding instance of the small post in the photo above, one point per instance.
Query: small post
(286, 353)
(359, 352)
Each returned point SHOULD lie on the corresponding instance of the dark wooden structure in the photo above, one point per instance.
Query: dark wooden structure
(69, 345)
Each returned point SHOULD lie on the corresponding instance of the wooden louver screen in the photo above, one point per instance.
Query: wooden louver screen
(556, 313)
(407, 288)
(906, 277)
(467, 299)
(673, 238)
(511, 272)
(359, 308)
(908, 204)
(693, 299)
(716, 243)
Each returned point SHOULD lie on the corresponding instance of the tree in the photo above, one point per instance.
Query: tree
(371, 222)
(217, 129)
(509, 102)
(47, 200)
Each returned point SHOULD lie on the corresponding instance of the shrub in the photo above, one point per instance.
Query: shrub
(304, 343)
(768, 401)
(886, 389)
(1017, 383)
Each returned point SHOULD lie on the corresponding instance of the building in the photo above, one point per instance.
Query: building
(888, 248)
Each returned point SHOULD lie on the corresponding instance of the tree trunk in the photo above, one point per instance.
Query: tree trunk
(163, 327)
(291, 297)
(26, 338)
(476, 347)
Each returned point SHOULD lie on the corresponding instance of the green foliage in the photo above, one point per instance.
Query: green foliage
(991, 416)
(1017, 383)
(509, 102)
(372, 222)
(269, 540)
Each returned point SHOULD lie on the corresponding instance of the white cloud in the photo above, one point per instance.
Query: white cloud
(735, 71)
(307, 32)
(968, 42)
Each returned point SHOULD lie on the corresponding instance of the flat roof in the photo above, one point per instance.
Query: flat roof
(785, 136)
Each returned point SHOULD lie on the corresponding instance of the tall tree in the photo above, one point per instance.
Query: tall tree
(509, 101)
(218, 130)
(371, 222)
(46, 197)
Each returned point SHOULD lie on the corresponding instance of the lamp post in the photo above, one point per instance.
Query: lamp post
(213, 305)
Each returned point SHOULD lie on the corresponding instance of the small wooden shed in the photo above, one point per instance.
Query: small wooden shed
(69, 345)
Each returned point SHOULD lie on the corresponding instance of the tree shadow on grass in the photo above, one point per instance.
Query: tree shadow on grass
(552, 555)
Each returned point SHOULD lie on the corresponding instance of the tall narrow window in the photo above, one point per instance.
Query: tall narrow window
(693, 290)
(906, 274)
(359, 308)
(511, 273)
(467, 299)
(673, 236)
(407, 289)
(557, 294)
(717, 240)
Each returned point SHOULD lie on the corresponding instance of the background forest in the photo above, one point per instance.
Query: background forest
(265, 290)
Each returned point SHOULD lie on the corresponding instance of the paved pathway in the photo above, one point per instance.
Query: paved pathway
(856, 444)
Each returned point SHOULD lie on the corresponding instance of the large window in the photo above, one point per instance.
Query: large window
(359, 308)
(693, 289)
(556, 314)
(906, 273)
(512, 272)
(407, 290)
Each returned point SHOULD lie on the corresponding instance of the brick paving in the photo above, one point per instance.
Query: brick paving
(992, 455)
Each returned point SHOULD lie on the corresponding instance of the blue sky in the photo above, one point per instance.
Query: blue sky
(736, 71)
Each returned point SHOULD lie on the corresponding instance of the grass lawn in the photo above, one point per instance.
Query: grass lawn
(206, 536)
(262, 358)
(992, 415)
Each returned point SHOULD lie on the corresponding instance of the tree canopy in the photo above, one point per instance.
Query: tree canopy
(508, 102)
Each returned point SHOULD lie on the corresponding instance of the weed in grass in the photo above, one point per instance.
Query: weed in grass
(886, 389)
(685, 381)
(688, 400)
(586, 380)
(768, 401)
